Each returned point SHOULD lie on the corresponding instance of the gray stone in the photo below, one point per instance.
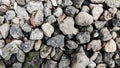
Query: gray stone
(4, 30)
(67, 26)
(27, 46)
(98, 58)
(85, 9)
(97, 1)
(105, 34)
(99, 24)
(37, 45)
(2, 43)
(20, 56)
(21, 2)
(118, 14)
(101, 66)
(95, 45)
(71, 44)
(56, 41)
(113, 3)
(50, 64)
(70, 11)
(10, 14)
(83, 19)
(2, 65)
(117, 40)
(51, 19)
(36, 34)
(83, 37)
(58, 54)
(1, 19)
(26, 27)
(88, 28)
(45, 51)
(67, 2)
(34, 6)
(16, 32)
(58, 12)
(47, 11)
(77, 3)
(115, 22)
(17, 65)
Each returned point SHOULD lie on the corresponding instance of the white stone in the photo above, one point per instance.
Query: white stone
(54, 2)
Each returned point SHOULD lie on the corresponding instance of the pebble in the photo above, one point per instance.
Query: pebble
(36, 34)
(2, 43)
(58, 12)
(34, 6)
(47, 12)
(70, 11)
(37, 45)
(83, 19)
(85, 9)
(39, 18)
(58, 54)
(67, 26)
(110, 46)
(94, 56)
(54, 2)
(26, 27)
(51, 19)
(56, 41)
(99, 24)
(21, 2)
(96, 12)
(71, 44)
(45, 51)
(101, 66)
(113, 3)
(16, 32)
(105, 34)
(67, 2)
(2, 65)
(77, 3)
(97, 1)
(10, 14)
(83, 37)
(20, 56)
(95, 45)
(50, 64)
(3, 9)
(5, 2)
(4, 29)
(1, 19)
(48, 29)
(17, 65)
(27, 46)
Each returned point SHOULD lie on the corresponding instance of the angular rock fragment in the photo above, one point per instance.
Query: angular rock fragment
(85, 9)
(58, 54)
(71, 44)
(77, 3)
(47, 11)
(67, 2)
(99, 24)
(51, 19)
(54, 2)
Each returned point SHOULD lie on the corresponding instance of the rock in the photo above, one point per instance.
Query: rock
(114, 3)
(70, 11)
(4, 29)
(67, 26)
(71, 44)
(97, 1)
(16, 20)
(94, 56)
(20, 56)
(10, 14)
(88, 28)
(54, 2)
(22, 13)
(58, 54)
(37, 45)
(2, 43)
(117, 40)
(83, 37)
(16, 32)
(50, 64)
(49, 4)
(51, 19)
(77, 3)
(3, 9)
(48, 29)
(5, 2)
(45, 51)
(58, 12)
(96, 12)
(83, 19)
(36, 34)
(67, 2)
(114, 34)
(34, 6)
(99, 24)
(21, 2)
(26, 27)
(117, 61)
(47, 12)
(96, 34)
(85, 9)
(39, 18)
(52, 52)
(27, 46)
(118, 14)
(99, 58)
(64, 61)
(105, 34)
(2, 65)
(56, 41)
(115, 22)
(79, 60)
(91, 64)
(110, 46)
(101, 66)
(17, 65)
(1, 19)
(95, 45)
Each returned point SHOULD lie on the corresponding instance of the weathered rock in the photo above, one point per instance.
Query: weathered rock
(101, 66)
(10, 14)
(2, 43)
(51, 19)
(95, 45)
(113, 3)
(21, 2)
(16, 32)
(99, 24)
(83, 19)
(34, 6)
(27, 46)
(70, 11)
(36, 34)
(48, 29)
(17, 65)
(97, 1)
(4, 30)
(54, 2)
(1, 19)
(71, 44)
(67, 26)
(37, 45)
(50, 64)
(20, 56)
(77, 3)
(105, 34)
(67, 2)
(2, 65)
(58, 12)
(83, 37)
(56, 41)
(110, 46)
(26, 27)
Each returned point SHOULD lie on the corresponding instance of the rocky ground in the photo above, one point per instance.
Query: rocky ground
(59, 33)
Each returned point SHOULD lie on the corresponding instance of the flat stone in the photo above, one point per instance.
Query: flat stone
(2, 65)
(56, 41)
(48, 29)
(51, 19)
(71, 44)
(83, 19)
(105, 34)
(110, 46)
(70, 11)
(2, 43)
(95, 45)
(4, 30)
(99, 24)
(16, 32)
(58, 12)
(77, 3)
(10, 14)
(1, 19)
(83, 37)
(113, 3)
(20, 56)
(36, 34)
(54, 2)
(17, 65)
(67, 26)
(37, 45)
(26, 27)
(21, 2)
(34, 6)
